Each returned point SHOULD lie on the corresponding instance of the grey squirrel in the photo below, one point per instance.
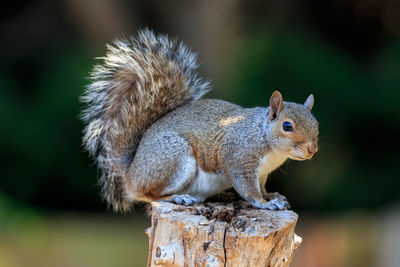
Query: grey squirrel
(154, 138)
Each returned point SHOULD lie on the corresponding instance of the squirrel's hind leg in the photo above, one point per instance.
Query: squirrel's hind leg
(164, 173)
(175, 191)
(185, 200)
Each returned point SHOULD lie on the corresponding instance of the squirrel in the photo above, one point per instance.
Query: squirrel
(154, 138)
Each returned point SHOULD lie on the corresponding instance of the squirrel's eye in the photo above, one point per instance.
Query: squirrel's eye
(287, 126)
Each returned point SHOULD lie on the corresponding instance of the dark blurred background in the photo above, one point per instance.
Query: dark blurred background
(345, 52)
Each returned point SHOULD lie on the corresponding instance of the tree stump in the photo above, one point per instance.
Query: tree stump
(220, 234)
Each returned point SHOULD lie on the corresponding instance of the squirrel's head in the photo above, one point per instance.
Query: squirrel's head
(294, 128)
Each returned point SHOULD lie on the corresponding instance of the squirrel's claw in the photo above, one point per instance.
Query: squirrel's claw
(277, 204)
(284, 202)
(274, 204)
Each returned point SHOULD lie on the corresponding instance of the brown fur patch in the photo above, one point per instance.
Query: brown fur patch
(204, 153)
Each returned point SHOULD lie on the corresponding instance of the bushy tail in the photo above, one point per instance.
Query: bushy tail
(139, 81)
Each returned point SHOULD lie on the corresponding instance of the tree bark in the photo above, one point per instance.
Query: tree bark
(220, 234)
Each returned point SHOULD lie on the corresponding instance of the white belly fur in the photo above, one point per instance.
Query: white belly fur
(270, 162)
(207, 184)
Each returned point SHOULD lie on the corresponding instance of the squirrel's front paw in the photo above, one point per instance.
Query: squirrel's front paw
(185, 200)
(274, 204)
(279, 197)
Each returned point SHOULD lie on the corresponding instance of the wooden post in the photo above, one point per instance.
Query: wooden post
(220, 234)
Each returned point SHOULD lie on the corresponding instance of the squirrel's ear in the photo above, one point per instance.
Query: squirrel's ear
(275, 104)
(309, 102)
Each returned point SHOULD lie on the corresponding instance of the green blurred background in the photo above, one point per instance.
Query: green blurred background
(345, 52)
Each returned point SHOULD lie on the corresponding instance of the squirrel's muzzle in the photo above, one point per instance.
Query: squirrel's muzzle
(312, 149)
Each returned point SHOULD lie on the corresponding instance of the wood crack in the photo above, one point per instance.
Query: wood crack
(224, 244)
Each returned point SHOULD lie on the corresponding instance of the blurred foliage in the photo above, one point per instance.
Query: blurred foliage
(42, 144)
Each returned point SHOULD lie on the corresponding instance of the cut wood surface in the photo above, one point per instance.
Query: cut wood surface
(220, 234)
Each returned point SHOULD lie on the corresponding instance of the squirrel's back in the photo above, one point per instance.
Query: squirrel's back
(139, 81)
(207, 125)
(202, 115)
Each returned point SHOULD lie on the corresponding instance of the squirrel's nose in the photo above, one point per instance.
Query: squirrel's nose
(312, 149)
